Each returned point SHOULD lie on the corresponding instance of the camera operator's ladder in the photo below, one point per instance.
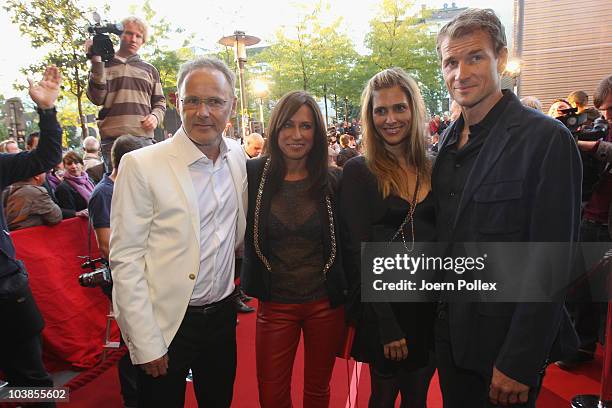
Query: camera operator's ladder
(108, 344)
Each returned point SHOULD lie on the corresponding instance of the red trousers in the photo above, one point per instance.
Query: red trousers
(277, 336)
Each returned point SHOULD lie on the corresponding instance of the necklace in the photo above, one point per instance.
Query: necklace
(258, 251)
(409, 218)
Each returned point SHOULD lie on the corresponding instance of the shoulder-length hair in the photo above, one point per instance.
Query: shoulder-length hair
(391, 178)
(316, 163)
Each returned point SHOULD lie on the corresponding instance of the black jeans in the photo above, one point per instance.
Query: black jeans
(413, 386)
(206, 343)
(106, 145)
(22, 363)
(462, 388)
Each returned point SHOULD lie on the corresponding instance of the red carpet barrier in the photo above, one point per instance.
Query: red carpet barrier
(75, 317)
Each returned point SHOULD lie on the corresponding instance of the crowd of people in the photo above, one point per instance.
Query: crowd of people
(179, 221)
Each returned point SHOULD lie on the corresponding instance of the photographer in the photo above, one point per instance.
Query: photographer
(20, 319)
(596, 226)
(99, 214)
(129, 89)
(580, 101)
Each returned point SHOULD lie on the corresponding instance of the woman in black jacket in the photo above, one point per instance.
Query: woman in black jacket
(75, 189)
(292, 261)
(385, 197)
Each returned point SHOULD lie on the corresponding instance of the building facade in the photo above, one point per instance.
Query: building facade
(563, 46)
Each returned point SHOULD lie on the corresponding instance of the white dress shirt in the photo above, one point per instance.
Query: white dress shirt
(218, 208)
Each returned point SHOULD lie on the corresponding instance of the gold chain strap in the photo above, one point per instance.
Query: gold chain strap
(260, 255)
(409, 217)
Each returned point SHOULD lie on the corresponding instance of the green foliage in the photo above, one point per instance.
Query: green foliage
(311, 56)
(398, 39)
(321, 59)
(156, 52)
(59, 26)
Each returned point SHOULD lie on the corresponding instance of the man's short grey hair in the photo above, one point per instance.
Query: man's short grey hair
(206, 63)
(91, 144)
(471, 20)
(251, 137)
(532, 102)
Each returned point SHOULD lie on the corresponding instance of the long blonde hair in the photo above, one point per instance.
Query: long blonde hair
(385, 167)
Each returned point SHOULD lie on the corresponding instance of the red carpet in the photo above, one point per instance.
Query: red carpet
(559, 386)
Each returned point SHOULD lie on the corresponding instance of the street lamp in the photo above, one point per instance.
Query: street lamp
(346, 112)
(261, 89)
(239, 40)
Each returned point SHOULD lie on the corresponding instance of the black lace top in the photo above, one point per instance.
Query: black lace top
(296, 246)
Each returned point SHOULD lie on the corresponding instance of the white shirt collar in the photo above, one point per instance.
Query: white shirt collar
(190, 153)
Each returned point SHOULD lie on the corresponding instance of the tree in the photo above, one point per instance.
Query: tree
(58, 25)
(398, 39)
(312, 56)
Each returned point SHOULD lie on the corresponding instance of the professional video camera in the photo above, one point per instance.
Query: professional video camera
(102, 44)
(99, 276)
(574, 121)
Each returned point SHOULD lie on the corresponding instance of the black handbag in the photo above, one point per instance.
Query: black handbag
(14, 284)
(20, 317)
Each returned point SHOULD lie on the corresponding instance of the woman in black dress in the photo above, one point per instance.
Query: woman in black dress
(383, 192)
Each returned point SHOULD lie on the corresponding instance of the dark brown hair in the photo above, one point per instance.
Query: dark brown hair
(72, 157)
(316, 163)
(124, 144)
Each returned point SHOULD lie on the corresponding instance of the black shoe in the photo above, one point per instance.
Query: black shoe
(580, 358)
(241, 307)
(243, 296)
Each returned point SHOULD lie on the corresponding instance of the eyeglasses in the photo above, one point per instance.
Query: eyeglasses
(193, 102)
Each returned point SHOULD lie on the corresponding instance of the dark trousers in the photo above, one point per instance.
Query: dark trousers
(128, 373)
(278, 331)
(206, 343)
(463, 388)
(589, 316)
(106, 146)
(413, 386)
(128, 378)
(22, 364)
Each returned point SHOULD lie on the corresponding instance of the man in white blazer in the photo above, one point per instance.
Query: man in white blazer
(177, 216)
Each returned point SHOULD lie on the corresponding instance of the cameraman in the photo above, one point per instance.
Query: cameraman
(596, 226)
(20, 319)
(99, 214)
(129, 89)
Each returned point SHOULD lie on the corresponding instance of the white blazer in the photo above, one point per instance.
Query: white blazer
(155, 241)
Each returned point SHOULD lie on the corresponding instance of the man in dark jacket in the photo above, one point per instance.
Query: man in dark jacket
(21, 322)
(504, 173)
